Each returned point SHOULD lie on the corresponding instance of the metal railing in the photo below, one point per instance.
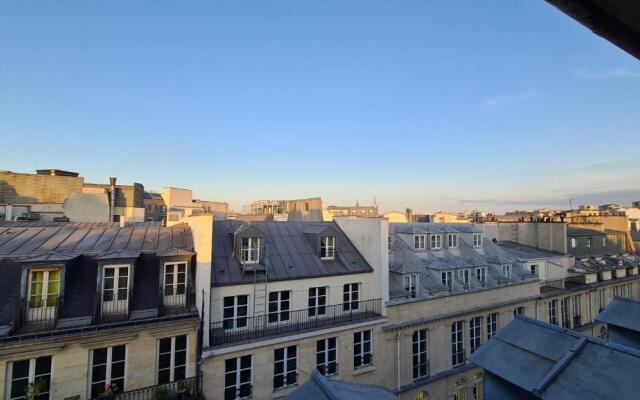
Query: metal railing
(112, 306)
(37, 313)
(289, 322)
(184, 389)
(178, 303)
(547, 286)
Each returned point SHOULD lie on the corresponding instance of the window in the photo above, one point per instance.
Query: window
(21, 374)
(573, 243)
(175, 284)
(459, 391)
(419, 242)
(250, 250)
(534, 269)
(564, 312)
(475, 334)
(604, 241)
(506, 270)
(306, 206)
(410, 284)
(361, 349)
(457, 343)
(327, 247)
(481, 274)
(463, 275)
(172, 359)
(452, 240)
(589, 240)
(317, 301)
(604, 335)
(445, 277)
(44, 290)
(350, 296)
(234, 311)
(326, 356)
(477, 240)
(279, 303)
(115, 290)
(553, 312)
(420, 362)
(601, 300)
(478, 390)
(436, 242)
(492, 325)
(285, 367)
(577, 319)
(107, 369)
(237, 378)
(518, 311)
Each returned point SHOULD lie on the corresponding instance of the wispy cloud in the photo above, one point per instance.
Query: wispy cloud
(608, 74)
(501, 101)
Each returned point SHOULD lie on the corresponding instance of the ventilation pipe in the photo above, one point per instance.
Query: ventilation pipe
(112, 197)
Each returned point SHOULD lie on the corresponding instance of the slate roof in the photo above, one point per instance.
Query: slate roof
(290, 254)
(556, 363)
(319, 387)
(423, 227)
(590, 264)
(575, 231)
(622, 312)
(34, 240)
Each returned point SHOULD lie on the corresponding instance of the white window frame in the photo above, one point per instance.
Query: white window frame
(238, 375)
(446, 279)
(351, 296)
(31, 376)
(520, 310)
(458, 355)
(452, 240)
(326, 355)
(492, 325)
(436, 242)
(172, 361)
(475, 333)
(506, 270)
(477, 240)
(116, 304)
(589, 241)
(420, 340)
(175, 299)
(573, 243)
(419, 242)
(552, 309)
(282, 311)
(534, 268)
(565, 304)
(328, 245)
(108, 367)
(410, 282)
(44, 311)
(250, 254)
(316, 309)
(287, 357)
(238, 321)
(481, 274)
(359, 339)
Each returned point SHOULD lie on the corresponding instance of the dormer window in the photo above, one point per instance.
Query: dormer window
(481, 274)
(452, 240)
(436, 242)
(411, 284)
(175, 284)
(477, 240)
(589, 240)
(43, 295)
(445, 277)
(506, 270)
(250, 250)
(115, 291)
(419, 242)
(327, 247)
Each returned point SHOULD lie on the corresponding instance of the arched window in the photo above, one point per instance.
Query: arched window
(459, 390)
(423, 395)
(478, 386)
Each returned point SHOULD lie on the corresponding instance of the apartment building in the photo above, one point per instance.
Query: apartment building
(309, 209)
(357, 210)
(155, 209)
(91, 310)
(288, 298)
(180, 204)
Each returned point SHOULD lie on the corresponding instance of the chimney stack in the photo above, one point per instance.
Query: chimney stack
(112, 197)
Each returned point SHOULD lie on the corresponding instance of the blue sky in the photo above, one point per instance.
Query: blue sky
(430, 105)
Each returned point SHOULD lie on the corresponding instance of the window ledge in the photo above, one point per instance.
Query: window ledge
(364, 370)
(282, 393)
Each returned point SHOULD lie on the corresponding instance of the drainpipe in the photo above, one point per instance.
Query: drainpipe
(398, 358)
(112, 197)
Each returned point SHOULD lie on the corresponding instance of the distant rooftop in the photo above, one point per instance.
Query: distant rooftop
(622, 312)
(319, 387)
(56, 172)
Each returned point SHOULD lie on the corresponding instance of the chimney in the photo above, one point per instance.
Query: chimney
(112, 197)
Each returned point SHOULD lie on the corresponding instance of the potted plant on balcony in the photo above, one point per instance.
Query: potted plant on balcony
(110, 392)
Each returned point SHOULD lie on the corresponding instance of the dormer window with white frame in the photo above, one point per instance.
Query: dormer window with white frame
(115, 290)
(481, 274)
(250, 250)
(419, 242)
(445, 278)
(327, 247)
(477, 240)
(452, 240)
(411, 284)
(463, 275)
(175, 284)
(43, 294)
(436, 242)
(506, 270)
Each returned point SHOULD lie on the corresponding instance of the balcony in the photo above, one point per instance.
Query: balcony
(185, 389)
(292, 322)
(37, 314)
(177, 303)
(112, 306)
(552, 285)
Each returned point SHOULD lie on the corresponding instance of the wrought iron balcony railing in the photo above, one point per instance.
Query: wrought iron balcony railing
(113, 305)
(177, 303)
(37, 313)
(185, 389)
(290, 322)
